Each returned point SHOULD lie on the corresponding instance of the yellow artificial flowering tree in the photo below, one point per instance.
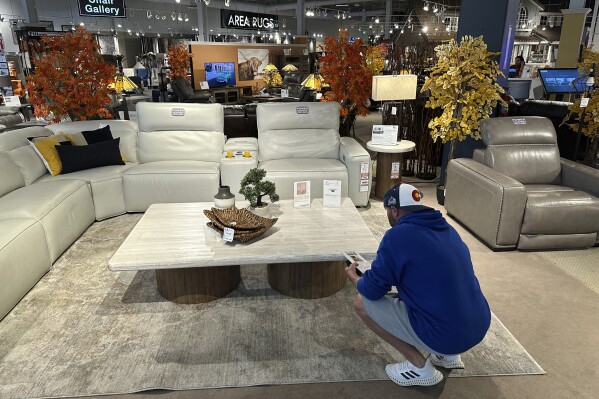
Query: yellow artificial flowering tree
(375, 58)
(590, 121)
(463, 84)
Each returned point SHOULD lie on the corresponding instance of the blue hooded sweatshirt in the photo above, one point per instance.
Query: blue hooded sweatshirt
(425, 258)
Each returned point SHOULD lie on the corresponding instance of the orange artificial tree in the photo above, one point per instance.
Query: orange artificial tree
(72, 79)
(178, 59)
(346, 70)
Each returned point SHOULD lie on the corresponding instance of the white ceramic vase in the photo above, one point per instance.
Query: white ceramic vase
(263, 211)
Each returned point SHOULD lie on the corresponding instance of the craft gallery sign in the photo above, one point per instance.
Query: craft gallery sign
(233, 19)
(102, 8)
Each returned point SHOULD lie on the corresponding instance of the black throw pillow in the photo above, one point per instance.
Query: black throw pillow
(98, 135)
(83, 157)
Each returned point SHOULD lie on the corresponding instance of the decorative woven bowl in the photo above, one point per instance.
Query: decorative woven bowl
(246, 225)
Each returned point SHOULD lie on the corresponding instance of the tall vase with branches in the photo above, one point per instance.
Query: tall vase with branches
(178, 59)
(72, 79)
(464, 85)
(585, 120)
(345, 68)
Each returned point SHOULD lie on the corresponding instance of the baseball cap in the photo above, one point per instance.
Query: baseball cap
(404, 196)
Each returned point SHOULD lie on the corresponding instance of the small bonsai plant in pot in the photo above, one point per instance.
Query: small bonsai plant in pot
(254, 189)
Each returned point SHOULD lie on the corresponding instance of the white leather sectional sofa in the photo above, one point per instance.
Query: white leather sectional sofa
(174, 156)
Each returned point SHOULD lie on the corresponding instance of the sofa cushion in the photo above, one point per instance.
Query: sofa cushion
(545, 188)
(292, 130)
(14, 139)
(64, 208)
(91, 136)
(125, 130)
(557, 213)
(284, 172)
(20, 266)
(106, 184)
(45, 148)
(82, 157)
(12, 178)
(29, 163)
(169, 181)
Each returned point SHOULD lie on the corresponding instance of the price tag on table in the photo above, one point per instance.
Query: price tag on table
(228, 234)
(395, 170)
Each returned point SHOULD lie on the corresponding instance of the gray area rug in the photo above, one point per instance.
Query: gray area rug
(84, 330)
(582, 264)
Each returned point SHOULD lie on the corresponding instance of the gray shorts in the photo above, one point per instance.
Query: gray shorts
(392, 315)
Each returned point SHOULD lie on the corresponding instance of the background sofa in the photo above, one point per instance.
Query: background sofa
(519, 193)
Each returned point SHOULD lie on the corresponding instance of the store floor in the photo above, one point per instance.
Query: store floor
(554, 315)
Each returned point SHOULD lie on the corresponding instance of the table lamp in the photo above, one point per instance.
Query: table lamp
(289, 68)
(387, 88)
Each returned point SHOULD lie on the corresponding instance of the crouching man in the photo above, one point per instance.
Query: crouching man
(439, 308)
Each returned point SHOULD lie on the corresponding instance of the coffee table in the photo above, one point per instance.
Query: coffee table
(193, 264)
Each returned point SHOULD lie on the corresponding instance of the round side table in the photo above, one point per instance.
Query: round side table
(388, 164)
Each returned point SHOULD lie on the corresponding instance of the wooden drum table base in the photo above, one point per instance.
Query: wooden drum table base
(198, 284)
(307, 280)
(384, 181)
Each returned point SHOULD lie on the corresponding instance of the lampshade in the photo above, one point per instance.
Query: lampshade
(290, 68)
(122, 83)
(139, 65)
(270, 67)
(313, 82)
(394, 87)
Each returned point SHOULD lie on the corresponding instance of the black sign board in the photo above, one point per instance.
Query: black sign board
(102, 8)
(233, 19)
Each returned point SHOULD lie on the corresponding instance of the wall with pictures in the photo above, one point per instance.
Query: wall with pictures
(202, 53)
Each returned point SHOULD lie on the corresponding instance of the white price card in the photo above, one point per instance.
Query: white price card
(284, 93)
(395, 170)
(363, 186)
(204, 85)
(393, 110)
(12, 100)
(228, 234)
(301, 193)
(364, 170)
(331, 196)
(384, 134)
(584, 102)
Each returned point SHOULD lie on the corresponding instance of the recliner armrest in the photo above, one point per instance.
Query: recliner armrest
(489, 203)
(355, 158)
(580, 177)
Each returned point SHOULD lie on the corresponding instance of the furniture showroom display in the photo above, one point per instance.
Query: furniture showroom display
(389, 161)
(519, 193)
(176, 156)
(303, 250)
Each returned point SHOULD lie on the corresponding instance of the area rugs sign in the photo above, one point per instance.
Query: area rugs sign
(102, 8)
(234, 19)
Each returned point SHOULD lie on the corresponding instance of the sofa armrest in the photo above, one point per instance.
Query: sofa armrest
(355, 158)
(580, 177)
(489, 203)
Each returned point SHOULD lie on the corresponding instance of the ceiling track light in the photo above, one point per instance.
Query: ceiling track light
(425, 8)
(149, 14)
(227, 3)
(206, 2)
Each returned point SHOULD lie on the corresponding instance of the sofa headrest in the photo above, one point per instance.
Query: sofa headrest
(550, 109)
(154, 117)
(518, 130)
(284, 116)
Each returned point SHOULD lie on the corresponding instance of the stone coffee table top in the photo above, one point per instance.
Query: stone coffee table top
(171, 236)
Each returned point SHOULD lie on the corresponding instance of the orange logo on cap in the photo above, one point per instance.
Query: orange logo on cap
(416, 195)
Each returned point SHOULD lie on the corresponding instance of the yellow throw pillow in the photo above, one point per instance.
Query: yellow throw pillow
(45, 149)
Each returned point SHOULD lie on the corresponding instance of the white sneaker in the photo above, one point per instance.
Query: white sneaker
(406, 374)
(447, 361)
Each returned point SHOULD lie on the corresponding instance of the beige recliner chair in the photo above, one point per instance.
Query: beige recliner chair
(300, 141)
(519, 193)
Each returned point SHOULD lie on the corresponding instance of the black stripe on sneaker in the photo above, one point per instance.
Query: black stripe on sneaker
(415, 374)
(406, 376)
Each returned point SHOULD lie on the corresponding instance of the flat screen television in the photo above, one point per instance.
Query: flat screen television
(219, 74)
(559, 80)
